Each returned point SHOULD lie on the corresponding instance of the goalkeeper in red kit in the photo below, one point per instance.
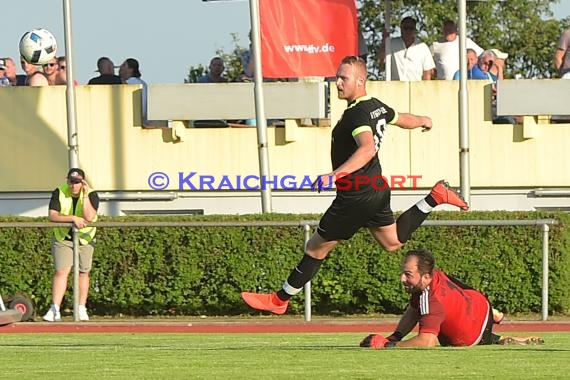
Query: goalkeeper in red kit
(447, 311)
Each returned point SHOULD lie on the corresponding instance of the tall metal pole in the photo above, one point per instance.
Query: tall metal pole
(263, 151)
(307, 286)
(545, 229)
(70, 90)
(388, 42)
(464, 169)
(71, 141)
(75, 237)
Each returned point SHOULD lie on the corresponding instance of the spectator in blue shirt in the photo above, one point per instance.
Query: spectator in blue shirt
(471, 62)
(215, 72)
(484, 63)
(480, 70)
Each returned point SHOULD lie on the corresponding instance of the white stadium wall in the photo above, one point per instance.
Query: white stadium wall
(508, 162)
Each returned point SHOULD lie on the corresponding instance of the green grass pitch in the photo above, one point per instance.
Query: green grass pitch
(268, 356)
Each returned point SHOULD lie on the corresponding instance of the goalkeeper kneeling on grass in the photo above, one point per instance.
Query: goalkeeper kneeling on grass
(446, 310)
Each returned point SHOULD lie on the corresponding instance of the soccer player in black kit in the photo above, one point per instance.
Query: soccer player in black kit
(362, 197)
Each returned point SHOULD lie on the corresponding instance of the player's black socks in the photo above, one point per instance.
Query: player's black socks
(300, 275)
(495, 339)
(408, 222)
(430, 201)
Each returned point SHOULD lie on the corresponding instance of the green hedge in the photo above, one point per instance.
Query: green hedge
(195, 271)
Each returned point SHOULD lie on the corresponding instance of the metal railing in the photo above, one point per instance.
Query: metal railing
(543, 223)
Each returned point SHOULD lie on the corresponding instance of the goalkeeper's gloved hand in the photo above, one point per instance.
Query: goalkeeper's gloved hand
(374, 341)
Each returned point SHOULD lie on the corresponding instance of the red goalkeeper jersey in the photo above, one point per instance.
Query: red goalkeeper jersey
(457, 316)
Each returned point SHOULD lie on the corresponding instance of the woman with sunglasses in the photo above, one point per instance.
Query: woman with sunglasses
(50, 70)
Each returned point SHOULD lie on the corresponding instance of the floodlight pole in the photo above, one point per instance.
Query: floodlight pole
(71, 141)
(263, 151)
(70, 90)
(388, 41)
(261, 121)
(464, 168)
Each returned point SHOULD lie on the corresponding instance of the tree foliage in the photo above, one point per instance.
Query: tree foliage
(525, 29)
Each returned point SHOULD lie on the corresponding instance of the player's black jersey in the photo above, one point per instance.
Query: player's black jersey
(364, 113)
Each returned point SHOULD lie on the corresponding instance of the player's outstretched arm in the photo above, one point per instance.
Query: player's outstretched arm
(410, 121)
(407, 322)
(420, 340)
(378, 342)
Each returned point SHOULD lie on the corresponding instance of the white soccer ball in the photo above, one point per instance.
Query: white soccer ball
(38, 46)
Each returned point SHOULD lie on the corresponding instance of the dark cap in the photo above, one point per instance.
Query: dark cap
(75, 175)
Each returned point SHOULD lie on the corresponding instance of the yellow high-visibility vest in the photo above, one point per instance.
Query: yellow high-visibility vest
(86, 234)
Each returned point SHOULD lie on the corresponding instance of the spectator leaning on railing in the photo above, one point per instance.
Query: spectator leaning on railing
(72, 202)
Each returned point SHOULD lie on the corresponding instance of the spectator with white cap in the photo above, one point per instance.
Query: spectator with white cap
(499, 65)
(482, 70)
(496, 73)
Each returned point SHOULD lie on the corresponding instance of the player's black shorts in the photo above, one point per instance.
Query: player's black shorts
(352, 210)
(488, 336)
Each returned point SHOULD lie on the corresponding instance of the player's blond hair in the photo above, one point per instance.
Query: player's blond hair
(358, 63)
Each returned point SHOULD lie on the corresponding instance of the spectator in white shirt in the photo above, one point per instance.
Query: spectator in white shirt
(411, 58)
(446, 52)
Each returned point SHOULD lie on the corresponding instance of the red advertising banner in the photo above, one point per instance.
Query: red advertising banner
(301, 38)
